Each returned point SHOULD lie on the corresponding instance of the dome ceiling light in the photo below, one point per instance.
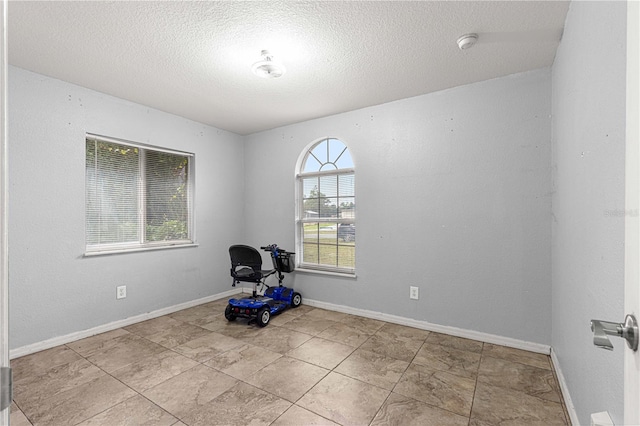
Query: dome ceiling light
(268, 67)
(467, 40)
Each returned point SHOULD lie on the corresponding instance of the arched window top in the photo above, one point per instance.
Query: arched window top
(326, 208)
(326, 155)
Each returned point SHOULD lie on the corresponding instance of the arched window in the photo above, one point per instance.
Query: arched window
(326, 208)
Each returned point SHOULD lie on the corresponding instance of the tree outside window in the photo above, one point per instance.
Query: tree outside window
(326, 212)
(136, 196)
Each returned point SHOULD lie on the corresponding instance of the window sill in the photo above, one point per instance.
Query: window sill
(330, 273)
(136, 250)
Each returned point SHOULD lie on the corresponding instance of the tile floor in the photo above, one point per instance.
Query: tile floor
(307, 367)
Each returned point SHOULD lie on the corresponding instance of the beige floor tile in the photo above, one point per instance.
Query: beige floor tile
(153, 370)
(123, 351)
(218, 305)
(134, 411)
(309, 325)
(493, 405)
(345, 334)
(321, 352)
(402, 332)
(534, 381)
(17, 417)
(302, 309)
(344, 400)
(455, 342)
(240, 329)
(400, 410)
(178, 335)
(152, 326)
(326, 314)
(194, 313)
(98, 343)
(372, 368)
(59, 387)
(79, 403)
(401, 348)
(438, 388)
(296, 416)
(278, 339)
(287, 378)
(190, 390)
(283, 318)
(444, 358)
(212, 322)
(40, 362)
(240, 405)
(517, 355)
(33, 390)
(365, 325)
(396, 341)
(243, 361)
(208, 346)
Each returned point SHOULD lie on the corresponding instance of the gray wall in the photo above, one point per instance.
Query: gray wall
(453, 195)
(588, 92)
(54, 291)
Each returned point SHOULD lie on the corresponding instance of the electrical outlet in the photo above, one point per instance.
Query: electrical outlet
(121, 292)
(413, 292)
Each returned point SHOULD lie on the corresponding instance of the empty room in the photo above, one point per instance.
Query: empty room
(320, 213)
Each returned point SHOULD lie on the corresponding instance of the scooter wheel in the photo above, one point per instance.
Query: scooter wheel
(228, 314)
(296, 300)
(264, 315)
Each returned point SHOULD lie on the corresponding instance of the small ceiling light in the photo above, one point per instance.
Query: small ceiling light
(268, 67)
(467, 40)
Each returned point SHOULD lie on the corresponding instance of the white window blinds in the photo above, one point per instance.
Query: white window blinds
(326, 214)
(136, 196)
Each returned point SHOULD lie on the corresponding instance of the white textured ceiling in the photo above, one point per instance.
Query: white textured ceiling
(194, 59)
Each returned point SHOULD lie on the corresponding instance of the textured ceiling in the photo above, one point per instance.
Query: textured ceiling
(194, 59)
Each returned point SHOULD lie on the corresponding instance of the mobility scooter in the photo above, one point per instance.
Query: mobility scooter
(246, 266)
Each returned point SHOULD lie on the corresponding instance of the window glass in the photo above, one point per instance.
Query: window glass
(326, 212)
(136, 196)
(167, 196)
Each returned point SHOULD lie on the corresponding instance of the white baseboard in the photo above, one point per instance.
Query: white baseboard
(72, 337)
(424, 325)
(571, 409)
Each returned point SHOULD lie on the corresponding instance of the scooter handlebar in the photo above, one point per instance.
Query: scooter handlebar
(273, 247)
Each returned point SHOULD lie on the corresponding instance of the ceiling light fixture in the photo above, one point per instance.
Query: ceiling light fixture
(268, 67)
(467, 40)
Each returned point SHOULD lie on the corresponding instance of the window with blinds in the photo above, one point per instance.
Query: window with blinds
(136, 196)
(326, 208)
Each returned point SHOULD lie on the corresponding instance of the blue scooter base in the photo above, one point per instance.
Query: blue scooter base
(274, 300)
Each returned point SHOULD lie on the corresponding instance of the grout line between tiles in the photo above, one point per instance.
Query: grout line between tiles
(329, 370)
(475, 387)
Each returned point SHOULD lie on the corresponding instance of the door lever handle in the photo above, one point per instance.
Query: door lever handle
(628, 330)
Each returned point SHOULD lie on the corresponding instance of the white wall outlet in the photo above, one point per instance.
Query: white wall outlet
(601, 419)
(414, 292)
(121, 292)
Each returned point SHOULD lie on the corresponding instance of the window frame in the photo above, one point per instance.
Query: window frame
(300, 219)
(142, 244)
